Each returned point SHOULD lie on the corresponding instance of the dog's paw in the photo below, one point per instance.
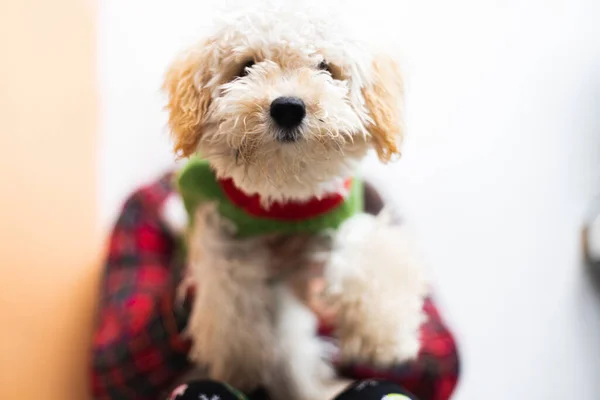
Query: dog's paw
(379, 350)
(379, 284)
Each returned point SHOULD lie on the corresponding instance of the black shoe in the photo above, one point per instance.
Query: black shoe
(206, 390)
(374, 390)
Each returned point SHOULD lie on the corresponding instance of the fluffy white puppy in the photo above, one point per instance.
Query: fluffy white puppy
(284, 104)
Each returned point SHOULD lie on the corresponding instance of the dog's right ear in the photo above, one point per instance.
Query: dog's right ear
(384, 98)
(189, 99)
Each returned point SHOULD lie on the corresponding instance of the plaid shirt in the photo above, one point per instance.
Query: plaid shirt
(138, 349)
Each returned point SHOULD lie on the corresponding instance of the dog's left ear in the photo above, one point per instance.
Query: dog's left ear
(189, 100)
(384, 98)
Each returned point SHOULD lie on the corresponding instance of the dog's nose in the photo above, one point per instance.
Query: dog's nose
(288, 112)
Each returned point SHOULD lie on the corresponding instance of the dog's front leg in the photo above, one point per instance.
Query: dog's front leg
(302, 372)
(231, 319)
(377, 279)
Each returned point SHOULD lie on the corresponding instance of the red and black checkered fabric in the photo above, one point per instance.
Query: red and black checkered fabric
(138, 349)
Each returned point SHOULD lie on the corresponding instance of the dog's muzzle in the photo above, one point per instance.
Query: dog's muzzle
(288, 113)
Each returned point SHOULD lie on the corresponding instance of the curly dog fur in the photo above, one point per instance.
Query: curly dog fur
(247, 330)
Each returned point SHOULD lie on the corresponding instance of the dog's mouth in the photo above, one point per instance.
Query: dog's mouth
(288, 135)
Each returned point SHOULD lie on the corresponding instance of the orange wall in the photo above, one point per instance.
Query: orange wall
(48, 233)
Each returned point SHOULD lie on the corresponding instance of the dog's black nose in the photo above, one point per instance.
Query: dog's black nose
(288, 112)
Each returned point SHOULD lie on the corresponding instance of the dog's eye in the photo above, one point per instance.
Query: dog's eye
(324, 66)
(246, 68)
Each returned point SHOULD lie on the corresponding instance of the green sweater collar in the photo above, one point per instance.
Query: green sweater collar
(198, 183)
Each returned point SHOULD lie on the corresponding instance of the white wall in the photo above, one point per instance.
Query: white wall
(502, 160)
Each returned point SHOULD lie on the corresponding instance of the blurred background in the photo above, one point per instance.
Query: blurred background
(502, 162)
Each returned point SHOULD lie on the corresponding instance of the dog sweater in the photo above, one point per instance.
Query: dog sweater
(198, 183)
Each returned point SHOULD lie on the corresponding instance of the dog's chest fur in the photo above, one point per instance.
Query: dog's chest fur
(252, 273)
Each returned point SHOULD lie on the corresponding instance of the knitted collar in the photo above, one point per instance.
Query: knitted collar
(286, 211)
(198, 184)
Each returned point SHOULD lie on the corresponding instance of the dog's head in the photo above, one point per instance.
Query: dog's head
(284, 103)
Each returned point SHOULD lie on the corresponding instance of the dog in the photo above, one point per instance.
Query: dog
(282, 105)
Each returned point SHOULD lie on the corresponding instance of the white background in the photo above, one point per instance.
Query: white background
(502, 160)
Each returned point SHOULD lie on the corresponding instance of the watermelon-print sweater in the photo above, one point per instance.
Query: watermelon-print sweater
(198, 183)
